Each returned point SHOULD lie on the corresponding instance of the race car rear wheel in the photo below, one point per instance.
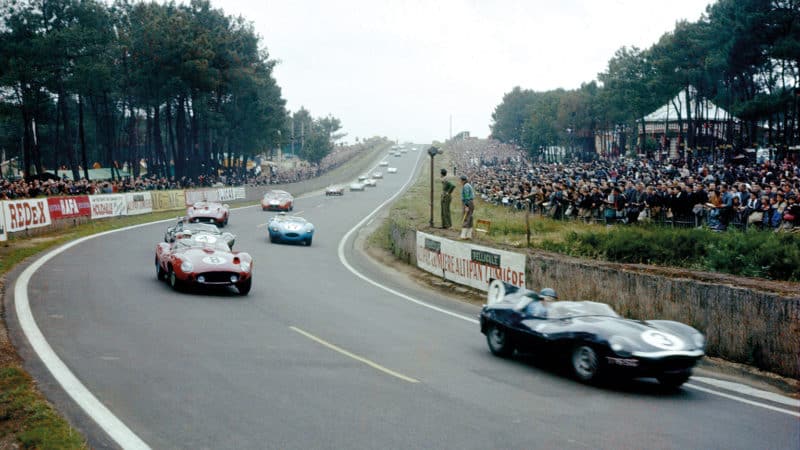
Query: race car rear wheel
(585, 363)
(160, 274)
(244, 286)
(674, 380)
(499, 341)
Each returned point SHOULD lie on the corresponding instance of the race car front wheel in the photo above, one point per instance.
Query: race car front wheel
(244, 286)
(498, 340)
(585, 363)
(174, 282)
(674, 380)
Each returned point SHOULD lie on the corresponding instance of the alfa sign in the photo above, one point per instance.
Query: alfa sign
(69, 207)
(469, 264)
(24, 214)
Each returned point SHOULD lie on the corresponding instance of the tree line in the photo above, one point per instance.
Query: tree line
(743, 55)
(183, 87)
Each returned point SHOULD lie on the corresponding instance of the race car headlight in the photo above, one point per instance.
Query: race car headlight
(309, 228)
(621, 344)
(699, 340)
(275, 229)
(186, 266)
(245, 266)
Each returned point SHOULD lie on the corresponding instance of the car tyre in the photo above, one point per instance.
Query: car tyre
(585, 363)
(674, 381)
(308, 242)
(174, 282)
(499, 341)
(160, 274)
(244, 286)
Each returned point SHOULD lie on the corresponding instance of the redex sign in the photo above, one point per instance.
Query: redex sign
(69, 207)
(23, 214)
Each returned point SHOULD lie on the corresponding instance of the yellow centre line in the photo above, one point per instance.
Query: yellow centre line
(354, 356)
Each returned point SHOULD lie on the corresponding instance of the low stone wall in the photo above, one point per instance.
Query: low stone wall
(743, 325)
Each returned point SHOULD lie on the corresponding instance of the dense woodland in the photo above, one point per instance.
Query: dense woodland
(743, 55)
(182, 87)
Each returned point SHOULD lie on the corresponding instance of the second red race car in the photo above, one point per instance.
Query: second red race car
(203, 260)
(277, 201)
(208, 212)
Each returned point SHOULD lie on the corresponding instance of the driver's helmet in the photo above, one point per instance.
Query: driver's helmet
(548, 292)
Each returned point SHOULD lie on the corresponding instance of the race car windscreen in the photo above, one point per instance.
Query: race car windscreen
(565, 310)
(202, 227)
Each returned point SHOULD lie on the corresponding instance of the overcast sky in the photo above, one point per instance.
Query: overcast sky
(401, 69)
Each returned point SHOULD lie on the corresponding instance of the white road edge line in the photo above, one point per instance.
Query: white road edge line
(343, 259)
(98, 412)
(747, 390)
(344, 352)
(349, 267)
(743, 400)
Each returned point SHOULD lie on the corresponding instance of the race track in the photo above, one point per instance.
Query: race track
(316, 357)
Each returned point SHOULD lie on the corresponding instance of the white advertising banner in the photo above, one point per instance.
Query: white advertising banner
(3, 234)
(138, 203)
(215, 195)
(231, 193)
(469, 264)
(108, 205)
(23, 214)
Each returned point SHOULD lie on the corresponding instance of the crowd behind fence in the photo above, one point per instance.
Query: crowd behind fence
(699, 192)
(54, 186)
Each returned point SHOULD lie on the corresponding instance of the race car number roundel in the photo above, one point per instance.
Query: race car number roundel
(496, 292)
(662, 340)
(214, 260)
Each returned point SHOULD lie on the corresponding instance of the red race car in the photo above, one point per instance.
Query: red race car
(277, 201)
(199, 259)
(208, 212)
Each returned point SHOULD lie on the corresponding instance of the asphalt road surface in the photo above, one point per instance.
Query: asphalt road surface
(316, 357)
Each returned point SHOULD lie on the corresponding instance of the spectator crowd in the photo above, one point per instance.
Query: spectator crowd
(53, 186)
(714, 193)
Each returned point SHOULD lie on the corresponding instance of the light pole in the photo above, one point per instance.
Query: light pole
(433, 151)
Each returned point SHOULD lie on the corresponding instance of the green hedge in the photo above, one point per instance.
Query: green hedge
(755, 254)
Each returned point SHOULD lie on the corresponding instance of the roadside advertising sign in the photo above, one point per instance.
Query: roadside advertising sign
(69, 207)
(469, 264)
(215, 195)
(138, 203)
(231, 193)
(3, 235)
(163, 200)
(193, 197)
(23, 214)
(108, 205)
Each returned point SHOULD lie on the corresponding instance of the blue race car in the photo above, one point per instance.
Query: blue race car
(290, 229)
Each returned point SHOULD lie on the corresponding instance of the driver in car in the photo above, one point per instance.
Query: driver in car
(535, 305)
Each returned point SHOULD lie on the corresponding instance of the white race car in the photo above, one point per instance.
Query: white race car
(391, 170)
(334, 189)
(356, 186)
(371, 182)
(377, 175)
(384, 163)
(362, 177)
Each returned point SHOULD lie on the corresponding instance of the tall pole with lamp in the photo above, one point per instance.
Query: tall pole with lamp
(433, 151)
